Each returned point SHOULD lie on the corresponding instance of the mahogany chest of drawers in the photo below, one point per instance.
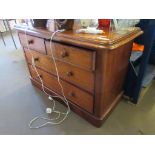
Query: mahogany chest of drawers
(92, 69)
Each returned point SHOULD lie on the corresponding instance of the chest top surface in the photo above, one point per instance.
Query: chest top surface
(108, 40)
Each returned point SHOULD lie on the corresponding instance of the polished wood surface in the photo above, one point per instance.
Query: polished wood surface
(96, 121)
(72, 93)
(75, 56)
(92, 68)
(111, 71)
(67, 72)
(33, 42)
(107, 40)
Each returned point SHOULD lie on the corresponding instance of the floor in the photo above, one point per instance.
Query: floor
(20, 102)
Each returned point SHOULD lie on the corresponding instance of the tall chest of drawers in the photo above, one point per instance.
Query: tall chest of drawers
(92, 70)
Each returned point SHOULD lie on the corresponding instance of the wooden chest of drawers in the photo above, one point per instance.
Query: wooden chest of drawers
(92, 70)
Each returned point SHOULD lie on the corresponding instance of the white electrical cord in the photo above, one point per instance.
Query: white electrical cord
(56, 120)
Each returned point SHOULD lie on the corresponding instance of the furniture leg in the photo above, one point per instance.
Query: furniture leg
(11, 33)
(3, 38)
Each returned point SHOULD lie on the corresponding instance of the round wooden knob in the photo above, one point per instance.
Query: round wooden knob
(64, 54)
(36, 59)
(39, 76)
(71, 94)
(70, 73)
(30, 42)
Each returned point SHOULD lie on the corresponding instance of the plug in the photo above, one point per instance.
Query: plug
(48, 110)
(50, 98)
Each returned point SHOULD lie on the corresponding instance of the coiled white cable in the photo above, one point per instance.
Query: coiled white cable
(56, 120)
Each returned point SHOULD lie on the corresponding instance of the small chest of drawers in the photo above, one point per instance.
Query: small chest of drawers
(91, 73)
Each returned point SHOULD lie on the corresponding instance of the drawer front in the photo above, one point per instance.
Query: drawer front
(33, 42)
(72, 93)
(83, 79)
(77, 56)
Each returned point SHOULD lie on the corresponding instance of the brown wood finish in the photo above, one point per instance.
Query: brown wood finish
(112, 67)
(33, 42)
(72, 93)
(96, 121)
(67, 72)
(96, 41)
(79, 57)
(92, 67)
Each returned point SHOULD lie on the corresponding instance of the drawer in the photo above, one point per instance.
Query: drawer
(72, 93)
(33, 42)
(81, 78)
(77, 56)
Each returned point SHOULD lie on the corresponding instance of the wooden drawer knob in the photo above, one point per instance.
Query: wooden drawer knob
(70, 73)
(71, 94)
(36, 59)
(30, 42)
(64, 54)
(40, 76)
